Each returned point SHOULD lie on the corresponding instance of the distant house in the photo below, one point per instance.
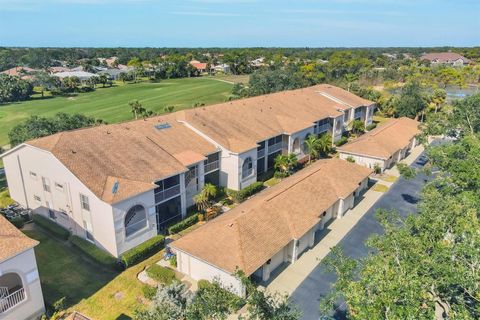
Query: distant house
(21, 72)
(20, 290)
(451, 58)
(112, 74)
(112, 61)
(225, 68)
(82, 75)
(258, 63)
(200, 66)
(54, 70)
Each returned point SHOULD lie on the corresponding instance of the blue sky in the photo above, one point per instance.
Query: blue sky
(239, 23)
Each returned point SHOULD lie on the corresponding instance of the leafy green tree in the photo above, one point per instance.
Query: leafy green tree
(36, 126)
(103, 79)
(71, 84)
(466, 114)
(324, 144)
(350, 78)
(14, 89)
(437, 98)
(411, 102)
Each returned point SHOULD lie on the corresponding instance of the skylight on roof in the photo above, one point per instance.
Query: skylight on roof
(162, 126)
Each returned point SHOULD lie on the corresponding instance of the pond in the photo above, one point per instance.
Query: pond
(453, 93)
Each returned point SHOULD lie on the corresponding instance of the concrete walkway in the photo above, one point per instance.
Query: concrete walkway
(294, 274)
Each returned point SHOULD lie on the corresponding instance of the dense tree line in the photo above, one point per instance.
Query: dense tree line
(425, 266)
(36, 126)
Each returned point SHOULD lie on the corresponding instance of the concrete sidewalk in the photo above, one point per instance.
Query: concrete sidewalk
(294, 274)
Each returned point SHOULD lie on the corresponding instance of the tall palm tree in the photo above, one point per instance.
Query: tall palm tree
(324, 144)
(311, 147)
(203, 198)
(136, 107)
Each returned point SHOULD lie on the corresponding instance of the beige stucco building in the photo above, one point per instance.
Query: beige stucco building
(119, 185)
(272, 228)
(384, 146)
(20, 291)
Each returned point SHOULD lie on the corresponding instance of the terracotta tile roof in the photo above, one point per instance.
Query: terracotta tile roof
(135, 154)
(239, 125)
(198, 65)
(383, 141)
(12, 240)
(347, 98)
(253, 232)
(444, 57)
(18, 71)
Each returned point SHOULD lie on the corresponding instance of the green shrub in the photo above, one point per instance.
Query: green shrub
(18, 222)
(149, 292)
(161, 274)
(350, 159)
(93, 251)
(142, 251)
(173, 261)
(184, 224)
(371, 126)
(341, 141)
(203, 284)
(248, 191)
(51, 226)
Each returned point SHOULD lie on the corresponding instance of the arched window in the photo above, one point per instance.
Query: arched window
(304, 145)
(135, 220)
(296, 145)
(247, 168)
(12, 291)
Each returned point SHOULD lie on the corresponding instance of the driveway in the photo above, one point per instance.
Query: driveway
(403, 197)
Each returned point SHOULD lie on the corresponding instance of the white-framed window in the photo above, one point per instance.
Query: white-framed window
(46, 184)
(33, 175)
(135, 219)
(247, 168)
(37, 198)
(59, 186)
(84, 202)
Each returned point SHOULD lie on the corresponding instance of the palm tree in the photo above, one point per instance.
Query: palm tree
(311, 147)
(284, 163)
(203, 198)
(137, 108)
(350, 78)
(324, 144)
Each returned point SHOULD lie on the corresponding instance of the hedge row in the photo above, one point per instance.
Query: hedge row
(184, 224)
(161, 274)
(142, 251)
(51, 226)
(371, 126)
(93, 251)
(246, 192)
(341, 141)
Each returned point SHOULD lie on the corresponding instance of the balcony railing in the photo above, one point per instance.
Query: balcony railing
(260, 153)
(12, 300)
(324, 128)
(275, 147)
(211, 166)
(167, 193)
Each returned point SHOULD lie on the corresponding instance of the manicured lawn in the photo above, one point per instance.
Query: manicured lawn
(111, 104)
(233, 78)
(5, 199)
(65, 271)
(380, 188)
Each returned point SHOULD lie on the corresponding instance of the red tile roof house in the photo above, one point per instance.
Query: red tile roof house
(200, 66)
(119, 185)
(451, 58)
(22, 72)
(20, 291)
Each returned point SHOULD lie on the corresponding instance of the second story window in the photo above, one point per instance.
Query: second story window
(46, 184)
(84, 202)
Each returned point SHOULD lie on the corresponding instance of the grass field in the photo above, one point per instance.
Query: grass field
(111, 104)
(64, 270)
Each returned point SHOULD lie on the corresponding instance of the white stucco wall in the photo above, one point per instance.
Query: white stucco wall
(245, 182)
(25, 265)
(198, 270)
(365, 161)
(28, 159)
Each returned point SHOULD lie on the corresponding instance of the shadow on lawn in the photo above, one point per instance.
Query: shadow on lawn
(64, 270)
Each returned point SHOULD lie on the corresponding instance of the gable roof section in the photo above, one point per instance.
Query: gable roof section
(240, 124)
(254, 231)
(444, 57)
(383, 141)
(135, 154)
(12, 240)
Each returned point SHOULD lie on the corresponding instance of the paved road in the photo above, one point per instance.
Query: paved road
(402, 196)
